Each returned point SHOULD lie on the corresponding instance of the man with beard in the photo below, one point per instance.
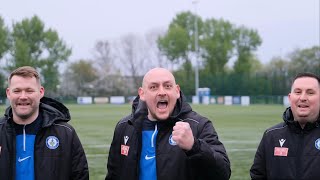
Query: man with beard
(291, 149)
(164, 138)
(36, 142)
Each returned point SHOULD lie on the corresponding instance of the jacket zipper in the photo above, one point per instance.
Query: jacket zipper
(24, 137)
(299, 155)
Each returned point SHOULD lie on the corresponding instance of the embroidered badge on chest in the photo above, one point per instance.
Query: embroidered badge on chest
(281, 151)
(52, 142)
(317, 143)
(171, 141)
(125, 148)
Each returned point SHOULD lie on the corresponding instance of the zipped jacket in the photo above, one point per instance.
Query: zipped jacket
(287, 151)
(63, 159)
(206, 160)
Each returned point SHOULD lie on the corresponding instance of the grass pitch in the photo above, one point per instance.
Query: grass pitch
(240, 129)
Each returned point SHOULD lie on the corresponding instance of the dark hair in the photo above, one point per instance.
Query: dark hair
(306, 74)
(25, 71)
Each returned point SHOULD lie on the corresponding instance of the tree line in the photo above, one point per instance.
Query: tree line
(117, 65)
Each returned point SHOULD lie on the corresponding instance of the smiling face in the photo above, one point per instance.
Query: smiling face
(305, 100)
(160, 92)
(24, 94)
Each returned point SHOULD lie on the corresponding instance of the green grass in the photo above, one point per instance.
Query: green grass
(239, 128)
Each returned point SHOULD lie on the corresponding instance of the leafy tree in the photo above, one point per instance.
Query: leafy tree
(4, 38)
(4, 46)
(36, 46)
(79, 78)
(178, 45)
(217, 42)
(305, 60)
(279, 71)
(246, 41)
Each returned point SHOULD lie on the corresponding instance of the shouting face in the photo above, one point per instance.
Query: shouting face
(160, 92)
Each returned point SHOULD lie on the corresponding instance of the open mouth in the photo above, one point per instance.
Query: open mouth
(303, 106)
(162, 104)
(23, 104)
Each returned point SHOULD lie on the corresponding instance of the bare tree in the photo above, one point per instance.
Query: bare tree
(132, 55)
(110, 81)
(103, 57)
(154, 53)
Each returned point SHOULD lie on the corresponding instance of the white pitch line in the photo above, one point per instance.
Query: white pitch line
(240, 142)
(96, 146)
(97, 155)
(237, 150)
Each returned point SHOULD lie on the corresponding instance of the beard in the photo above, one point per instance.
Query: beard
(25, 114)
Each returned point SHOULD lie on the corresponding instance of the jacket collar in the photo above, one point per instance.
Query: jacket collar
(52, 111)
(289, 120)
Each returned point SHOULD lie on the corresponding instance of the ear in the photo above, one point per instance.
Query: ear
(289, 98)
(178, 91)
(8, 92)
(141, 93)
(42, 91)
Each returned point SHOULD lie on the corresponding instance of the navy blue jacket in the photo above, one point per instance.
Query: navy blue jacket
(63, 161)
(287, 151)
(206, 160)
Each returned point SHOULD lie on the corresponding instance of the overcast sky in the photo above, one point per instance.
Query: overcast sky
(283, 24)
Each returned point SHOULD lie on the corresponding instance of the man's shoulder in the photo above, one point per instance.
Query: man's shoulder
(63, 124)
(195, 117)
(276, 128)
(124, 120)
(3, 120)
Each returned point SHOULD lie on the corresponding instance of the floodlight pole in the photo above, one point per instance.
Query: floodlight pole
(196, 48)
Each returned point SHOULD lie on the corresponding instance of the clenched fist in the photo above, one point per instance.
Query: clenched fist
(183, 136)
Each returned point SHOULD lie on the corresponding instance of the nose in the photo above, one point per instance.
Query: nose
(303, 96)
(162, 91)
(23, 95)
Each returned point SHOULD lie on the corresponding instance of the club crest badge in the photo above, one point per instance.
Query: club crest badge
(171, 141)
(317, 143)
(52, 142)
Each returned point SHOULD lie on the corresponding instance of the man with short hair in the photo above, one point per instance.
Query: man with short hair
(291, 149)
(164, 138)
(36, 142)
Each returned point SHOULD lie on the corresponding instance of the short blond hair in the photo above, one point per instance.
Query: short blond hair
(25, 71)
